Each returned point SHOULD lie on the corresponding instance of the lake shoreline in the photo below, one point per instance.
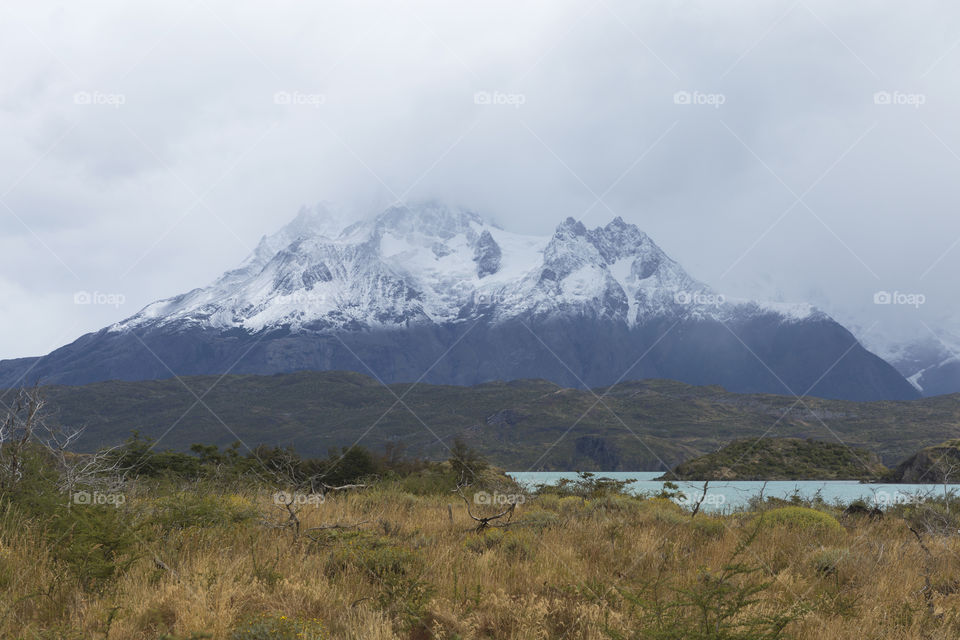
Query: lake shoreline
(724, 495)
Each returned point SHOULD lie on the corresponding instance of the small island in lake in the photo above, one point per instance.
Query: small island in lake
(782, 459)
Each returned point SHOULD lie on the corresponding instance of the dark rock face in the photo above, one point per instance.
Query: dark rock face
(487, 255)
(757, 354)
(604, 455)
(318, 273)
(937, 464)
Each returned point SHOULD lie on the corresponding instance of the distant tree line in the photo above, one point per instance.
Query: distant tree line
(138, 456)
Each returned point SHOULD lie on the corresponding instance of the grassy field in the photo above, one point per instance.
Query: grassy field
(403, 559)
(136, 542)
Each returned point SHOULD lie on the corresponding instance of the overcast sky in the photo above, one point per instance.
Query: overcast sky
(147, 149)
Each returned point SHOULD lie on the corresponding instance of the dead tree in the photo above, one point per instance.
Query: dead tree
(293, 519)
(326, 488)
(287, 502)
(947, 492)
(703, 496)
(485, 522)
(17, 434)
(25, 431)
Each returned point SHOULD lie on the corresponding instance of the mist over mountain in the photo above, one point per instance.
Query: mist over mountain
(915, 332)
(438, 293)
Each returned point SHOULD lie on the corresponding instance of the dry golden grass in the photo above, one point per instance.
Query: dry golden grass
(410, 572)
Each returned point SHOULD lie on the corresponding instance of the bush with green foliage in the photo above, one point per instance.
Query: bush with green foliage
(466, 462)
(540, 519)
(802, 518)
(138, 456)
(394, 569)
(191, 509)
(96, 542)
(484, 540)
(708, 527)
(587, 486)
(718, 606)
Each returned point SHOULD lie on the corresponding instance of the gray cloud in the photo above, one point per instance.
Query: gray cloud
(182, 157)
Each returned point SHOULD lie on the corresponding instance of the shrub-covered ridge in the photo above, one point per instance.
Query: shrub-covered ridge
(782, 459)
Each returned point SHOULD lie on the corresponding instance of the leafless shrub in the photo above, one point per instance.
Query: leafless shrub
(484, 522)
(25, 431)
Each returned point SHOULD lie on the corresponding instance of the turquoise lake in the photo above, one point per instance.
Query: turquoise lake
(727, 496)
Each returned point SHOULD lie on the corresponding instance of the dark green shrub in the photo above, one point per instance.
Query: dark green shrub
(484, 540)
(466, 462)
(393, 569)
(190, 509)
(588, 486)
(95, 542)
(708, 527)
(719, 606)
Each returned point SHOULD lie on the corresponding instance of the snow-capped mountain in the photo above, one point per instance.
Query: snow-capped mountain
(924, 350)
(922, 343)
(930, 363)
(439, 293)
(439, 265)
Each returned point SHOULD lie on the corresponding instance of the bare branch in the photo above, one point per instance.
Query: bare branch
(703, 496)
(484, 522)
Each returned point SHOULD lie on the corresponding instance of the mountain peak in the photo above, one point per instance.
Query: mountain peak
(430, 218)
(428, 262)
(570, 227)
(394, 288)
(322, 219)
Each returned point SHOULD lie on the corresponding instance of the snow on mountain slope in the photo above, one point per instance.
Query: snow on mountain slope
(436, 293)
(435, 264)
(924, 350)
